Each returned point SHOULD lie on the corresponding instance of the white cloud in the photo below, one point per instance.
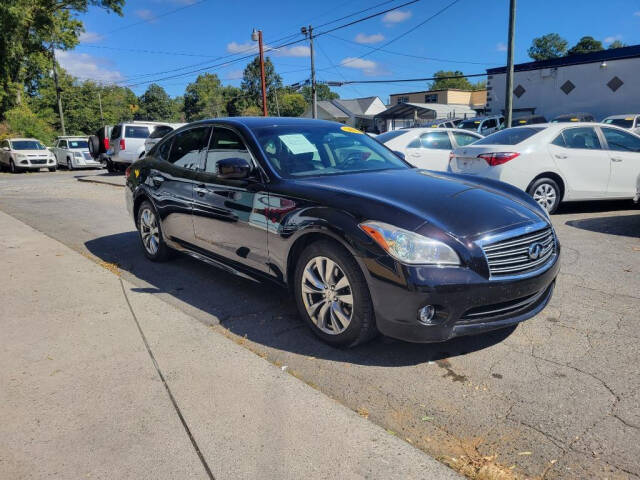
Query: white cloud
(90, 37)
(252, 47)
(368, 67)
(234, 74)
(501, 47)
(145, 14)
(85, 66)
(612, 38)
(374, 38)
(637, 14)
(396, 16)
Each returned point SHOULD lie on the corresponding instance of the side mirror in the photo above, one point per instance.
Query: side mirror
(6, 149)
(399, 154)
(233, 168)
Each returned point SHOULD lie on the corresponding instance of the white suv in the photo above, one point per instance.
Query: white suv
(127, 143)
(73, 152)
(18, 154)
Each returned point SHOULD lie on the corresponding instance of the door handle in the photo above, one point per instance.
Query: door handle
(157, 179)
(557, 155)
(200, 190)
(616, 159)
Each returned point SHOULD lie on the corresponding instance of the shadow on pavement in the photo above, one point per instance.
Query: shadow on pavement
(264, 312)
(623, 225)
(595, 206)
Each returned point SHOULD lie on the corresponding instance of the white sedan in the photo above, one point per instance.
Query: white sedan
(557, 162)
(427, 147)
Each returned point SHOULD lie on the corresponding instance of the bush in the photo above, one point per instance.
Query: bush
(21, 121)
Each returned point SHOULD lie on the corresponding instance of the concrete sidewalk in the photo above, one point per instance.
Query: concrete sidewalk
(102, 380)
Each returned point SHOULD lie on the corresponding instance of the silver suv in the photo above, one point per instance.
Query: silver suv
(127, 143)
(483, 125)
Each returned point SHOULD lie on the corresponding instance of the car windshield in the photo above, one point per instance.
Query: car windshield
(27, 145)
(310, 150)
(620, 122)
(469, 124)
(78, 144)
(386, 136)
(510, 136)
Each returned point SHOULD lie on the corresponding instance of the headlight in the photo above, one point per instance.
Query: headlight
(20, 156)
(409, 247)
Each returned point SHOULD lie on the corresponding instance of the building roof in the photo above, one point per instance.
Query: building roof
(592, 57)
(331, 109)
(405, 110)
(436, 91)
(355, 106)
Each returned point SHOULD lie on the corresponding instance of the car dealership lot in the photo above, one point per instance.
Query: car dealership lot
(558, 396)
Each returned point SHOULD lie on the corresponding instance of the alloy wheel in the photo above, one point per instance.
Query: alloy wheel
(327, 295)
(546, 196)
(149, 231)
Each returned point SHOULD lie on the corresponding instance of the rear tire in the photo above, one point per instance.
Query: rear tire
(110, 166)
(53, 169)
(547, 193)
(151, 236)
(330, 287)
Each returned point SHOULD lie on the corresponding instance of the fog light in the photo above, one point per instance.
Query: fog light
(24, 162)
(426, 314)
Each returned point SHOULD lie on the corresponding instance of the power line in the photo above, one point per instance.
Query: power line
(404, 80)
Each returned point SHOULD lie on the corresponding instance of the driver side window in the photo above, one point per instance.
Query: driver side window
(225, 143)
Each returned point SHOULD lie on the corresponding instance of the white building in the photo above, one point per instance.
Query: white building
(408, 114)
(601, 83)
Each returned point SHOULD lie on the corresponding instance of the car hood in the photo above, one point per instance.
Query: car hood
(458, 205)
(31, 152)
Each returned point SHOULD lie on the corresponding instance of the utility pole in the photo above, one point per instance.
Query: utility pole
(508, 107)
(308, 32)
(257, 35)
(100, 103)
(58, 91)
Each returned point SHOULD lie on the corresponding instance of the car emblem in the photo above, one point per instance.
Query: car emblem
(535, 250)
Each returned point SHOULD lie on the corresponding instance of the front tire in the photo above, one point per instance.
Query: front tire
(69, 164)
(150, 231)
(547, 193)
(53, 169)
(332, 295)
(12, 167)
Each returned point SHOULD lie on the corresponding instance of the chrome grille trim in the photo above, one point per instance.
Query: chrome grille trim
(509, 255)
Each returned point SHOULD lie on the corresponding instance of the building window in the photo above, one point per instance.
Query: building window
(615, 83)
(403, 99)
(567, 87)
(431, 98)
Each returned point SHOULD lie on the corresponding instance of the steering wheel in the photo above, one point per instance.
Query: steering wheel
(354, 158)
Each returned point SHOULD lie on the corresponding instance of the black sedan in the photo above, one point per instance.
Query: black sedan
(365, 242)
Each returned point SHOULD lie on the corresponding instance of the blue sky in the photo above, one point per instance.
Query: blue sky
(469, 36)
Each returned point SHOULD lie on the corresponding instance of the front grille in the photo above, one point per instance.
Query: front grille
(511, 308)
(516, 255)
(37, 162)
(87, 156)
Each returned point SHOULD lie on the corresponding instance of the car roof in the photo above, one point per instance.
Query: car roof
(22, 138)
(484, 117)
(261, 122)
(623, 115)
(71, 137)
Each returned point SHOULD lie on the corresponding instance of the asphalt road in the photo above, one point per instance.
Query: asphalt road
(557, 397)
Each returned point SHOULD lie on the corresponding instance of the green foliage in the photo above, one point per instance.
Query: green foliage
(252, 86)
(443, 83)
(616, 44)
(252, 111)
(323, 92)
(155, 105)
(586, 45)
(28, 30)
(206, 98)
(292, 105)
(548, 46)
(21, 121)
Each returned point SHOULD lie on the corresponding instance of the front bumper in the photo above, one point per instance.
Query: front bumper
(31, 165)
(466, 303)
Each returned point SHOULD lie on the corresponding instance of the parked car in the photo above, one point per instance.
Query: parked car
(102, 145)
(483, 125)
(73, 152)
(574, 117)
(557, 162)
(442, 123)
(127, 143)
(528, 120)
(19, 154)
(427, 147)
(157, 134)
(366, 242)
(630, 121)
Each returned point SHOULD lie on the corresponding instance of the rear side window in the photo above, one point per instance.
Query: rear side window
(136, 131)
(162, 151)
(188, 146)
(584, 138)
(621, 141)
(510, 136)
(463, 139)
(115, 133)
(161, 131)
(436, 140)
(224, 144)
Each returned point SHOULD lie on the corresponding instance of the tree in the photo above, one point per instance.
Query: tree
(155, 105)
(204, 98)
(323, 92)
(586, 45)
(443, 83)
(292, 105)
(616, 44)
(22, 121)
(548, 46)
(252, 85)
(28, 31)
